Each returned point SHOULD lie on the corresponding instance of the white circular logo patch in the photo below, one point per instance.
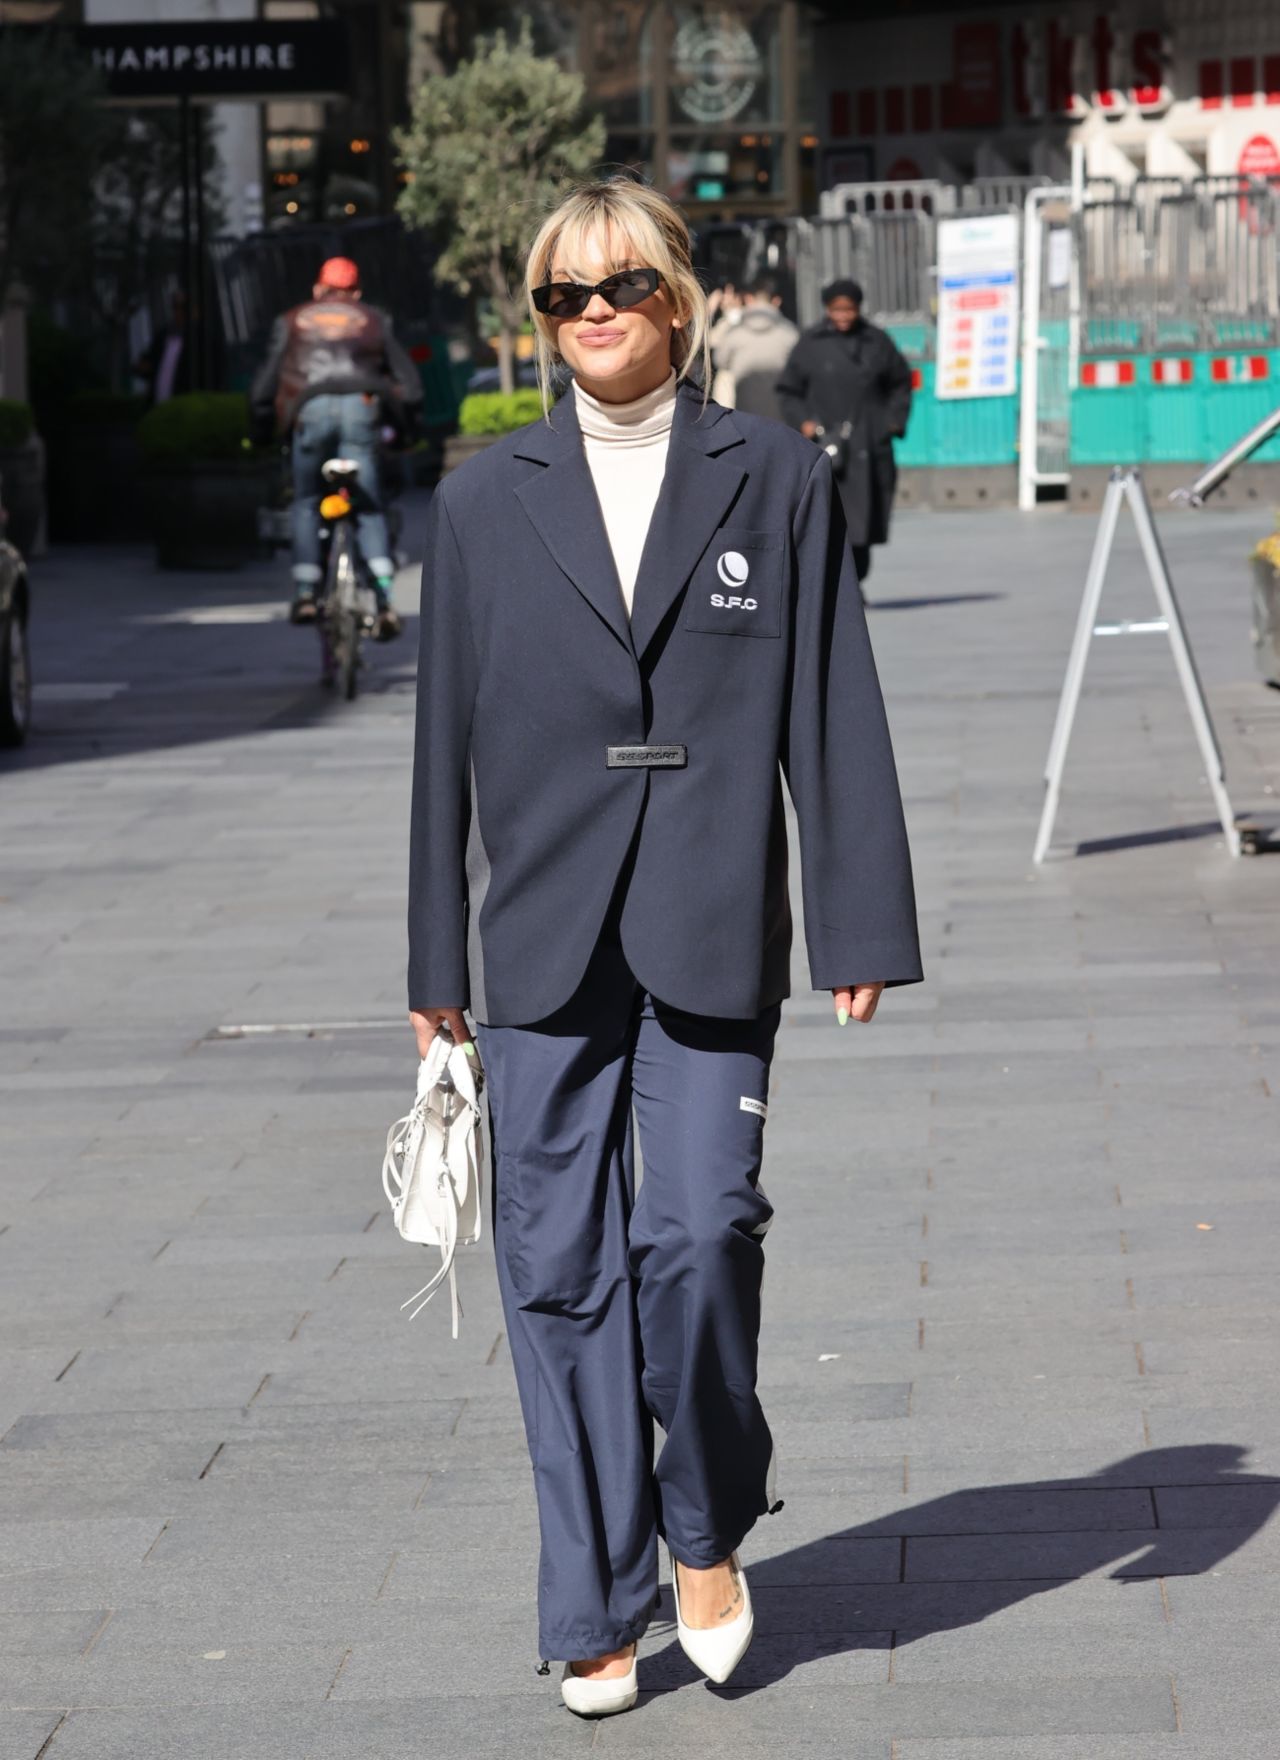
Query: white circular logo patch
(733, 568)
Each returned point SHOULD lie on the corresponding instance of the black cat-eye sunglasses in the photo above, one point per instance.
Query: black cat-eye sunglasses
(569, 299)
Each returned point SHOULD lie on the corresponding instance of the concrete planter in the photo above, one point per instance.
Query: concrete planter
(1266, 621)
(95, 482)
(203, 513)
(1250, 487)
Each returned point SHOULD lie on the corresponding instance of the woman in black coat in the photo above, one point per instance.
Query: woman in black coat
(847, 384)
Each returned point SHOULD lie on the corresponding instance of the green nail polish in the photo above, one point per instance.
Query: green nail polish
(842, 1015)
(469, 1048)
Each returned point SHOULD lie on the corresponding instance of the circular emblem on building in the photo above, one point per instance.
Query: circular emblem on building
(718, 68)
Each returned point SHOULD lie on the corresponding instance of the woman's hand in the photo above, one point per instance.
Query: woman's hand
(858, 1000)
(426, 1023)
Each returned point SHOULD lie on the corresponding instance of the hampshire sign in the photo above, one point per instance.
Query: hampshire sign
(253, 58)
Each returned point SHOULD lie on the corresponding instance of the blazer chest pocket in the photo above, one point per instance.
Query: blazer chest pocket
(736, 589)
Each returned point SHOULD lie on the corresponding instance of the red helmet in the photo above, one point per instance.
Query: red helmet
(338, 272)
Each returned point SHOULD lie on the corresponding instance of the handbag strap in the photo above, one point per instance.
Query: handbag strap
(448, 1247)
(390, 1161)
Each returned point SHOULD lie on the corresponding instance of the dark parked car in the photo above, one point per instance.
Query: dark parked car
(486, 378)
(15, 659)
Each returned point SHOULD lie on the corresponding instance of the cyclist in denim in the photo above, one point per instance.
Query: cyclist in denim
(333, 376)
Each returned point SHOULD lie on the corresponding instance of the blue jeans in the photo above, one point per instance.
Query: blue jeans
(337, 426)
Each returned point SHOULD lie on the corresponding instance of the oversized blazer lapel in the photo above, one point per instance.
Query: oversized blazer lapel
(698, 488)
(562, 503)
(701, 482)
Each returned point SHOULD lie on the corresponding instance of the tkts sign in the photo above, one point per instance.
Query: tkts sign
(1035, 68)
(1056, 69)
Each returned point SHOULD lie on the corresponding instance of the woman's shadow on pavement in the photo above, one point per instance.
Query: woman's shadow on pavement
(956, 1560)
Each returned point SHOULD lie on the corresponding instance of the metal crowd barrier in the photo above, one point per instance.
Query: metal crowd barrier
(1151, 312)
(1166, 264)
(1151, 315)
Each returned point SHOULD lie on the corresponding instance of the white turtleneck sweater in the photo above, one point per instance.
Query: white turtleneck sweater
(626, 450)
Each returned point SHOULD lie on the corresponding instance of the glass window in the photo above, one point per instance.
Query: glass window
(292, 152)
(806, 101)
(619, 56)
(725, 65)
(716, 167)
(632, 152)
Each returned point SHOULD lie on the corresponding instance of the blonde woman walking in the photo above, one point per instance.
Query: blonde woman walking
(639, 616)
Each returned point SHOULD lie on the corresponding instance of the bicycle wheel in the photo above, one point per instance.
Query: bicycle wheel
(342, 613)
(328, 665)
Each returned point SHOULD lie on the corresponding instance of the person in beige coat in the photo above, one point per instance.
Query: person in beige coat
(751, 344)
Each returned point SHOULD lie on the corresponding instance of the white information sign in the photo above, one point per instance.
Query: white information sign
(977, 306)
(1060, 257)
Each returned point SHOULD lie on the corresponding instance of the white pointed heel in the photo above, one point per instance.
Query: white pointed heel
(718, 1650)
(590, 1698)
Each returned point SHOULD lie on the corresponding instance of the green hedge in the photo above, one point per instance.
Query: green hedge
(15, 422)
(197, 425)
(498, 412)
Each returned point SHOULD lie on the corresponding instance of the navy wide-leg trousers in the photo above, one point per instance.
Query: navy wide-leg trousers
(623, 1309)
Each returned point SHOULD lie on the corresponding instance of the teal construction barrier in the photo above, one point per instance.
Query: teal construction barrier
(1112, 335)
(1230, 410)
(1177, 405)
(1109, 423)
(1172, 333)
(915, 452)
(951, 433)
(913, 340)
(968, 432)
(1173, 419)
(1142, 408)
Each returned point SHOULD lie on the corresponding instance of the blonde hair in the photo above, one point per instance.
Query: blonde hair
(641, 218)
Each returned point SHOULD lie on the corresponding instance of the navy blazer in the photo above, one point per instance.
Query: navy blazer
(746, 659)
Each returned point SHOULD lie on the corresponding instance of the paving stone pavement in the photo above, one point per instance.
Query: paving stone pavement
(1020, 1345)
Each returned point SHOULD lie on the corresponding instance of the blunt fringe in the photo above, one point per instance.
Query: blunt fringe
(645, 224)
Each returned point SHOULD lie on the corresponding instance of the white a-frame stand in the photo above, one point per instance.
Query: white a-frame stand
(1127, 485)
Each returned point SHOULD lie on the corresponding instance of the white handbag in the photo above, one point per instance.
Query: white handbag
(433, 1169)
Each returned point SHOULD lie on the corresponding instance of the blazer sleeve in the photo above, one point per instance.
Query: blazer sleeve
(859, 901)
(440, 813)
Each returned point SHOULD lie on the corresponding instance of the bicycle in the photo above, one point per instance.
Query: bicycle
(347, 608)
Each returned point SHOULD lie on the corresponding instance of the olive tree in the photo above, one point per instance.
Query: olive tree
(488, 148)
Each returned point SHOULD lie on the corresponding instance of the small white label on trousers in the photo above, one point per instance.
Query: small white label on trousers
(746, 1104)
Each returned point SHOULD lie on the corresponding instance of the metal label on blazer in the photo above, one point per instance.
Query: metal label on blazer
(646, 757)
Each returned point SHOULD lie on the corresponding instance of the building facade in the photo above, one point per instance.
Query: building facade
(1157, 88)
(235, 126)
(713, 102)
(742, 108)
